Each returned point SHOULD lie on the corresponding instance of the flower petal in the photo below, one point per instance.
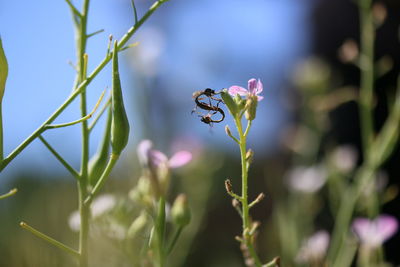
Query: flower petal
(361, 227)
(180, 158)
(386, 226)
(259, 98)
(157, 158)
(252, 85)
(259, 88)
(143, 150)
(237, 90)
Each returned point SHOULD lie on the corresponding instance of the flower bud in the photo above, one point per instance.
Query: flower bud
(138, 225)
(180, 211)
(232, 106)
(3, 71)
(249, 156)
(251, 107)
(120, 124)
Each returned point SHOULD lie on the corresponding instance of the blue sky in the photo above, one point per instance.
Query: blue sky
(205, 44)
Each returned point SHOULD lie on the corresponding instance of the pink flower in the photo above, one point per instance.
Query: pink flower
(154, 158)
(373, 233)
(254, 89)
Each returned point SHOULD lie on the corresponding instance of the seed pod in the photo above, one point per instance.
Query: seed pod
(98, 162)
(3, 71)
(232, 106)
(120, 124)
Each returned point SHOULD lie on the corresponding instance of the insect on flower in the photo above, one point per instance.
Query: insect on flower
(210, 106)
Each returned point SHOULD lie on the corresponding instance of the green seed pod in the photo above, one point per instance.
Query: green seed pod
(3, 71)
(251, 107)
(180, 211)
(138, 225)
(232, 106)
(120, 124)
(98, 162)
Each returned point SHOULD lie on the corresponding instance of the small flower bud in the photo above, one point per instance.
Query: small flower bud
(240, 102)
(379, 13)
(251, 108)
(228, 130)
(180, 211)
(249, 156)
(3, 71)
(232, 106)
(349, 51)
(138, 225)
(235, 203)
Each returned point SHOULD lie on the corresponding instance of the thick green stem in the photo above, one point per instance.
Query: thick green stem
(84, 211)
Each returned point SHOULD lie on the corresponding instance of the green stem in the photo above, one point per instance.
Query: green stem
(160, 231)
(174, 239)
(244, 198)
(367, 74)
(81, 87)
(103, 178)
(52, 241)
(81, 32)
(9, 194)
(60, 158)
(345, 212)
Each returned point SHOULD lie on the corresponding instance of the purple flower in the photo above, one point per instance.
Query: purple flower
(254, 89)
(313, 249)
(373, 233)
(153, 158)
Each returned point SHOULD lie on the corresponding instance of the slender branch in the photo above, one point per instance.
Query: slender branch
(50, 240)
(103, 109)
(73, 8)
(134, 10)
(9, 194)
(174, 240)
(74, 173)
(94, 33)
(88, 116)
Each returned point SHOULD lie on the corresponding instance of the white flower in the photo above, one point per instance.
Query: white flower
(102, 204)
(345, 158)
(306, 179)
(313, 249)
(74, 221)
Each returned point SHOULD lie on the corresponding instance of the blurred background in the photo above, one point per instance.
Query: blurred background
(184, 47)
